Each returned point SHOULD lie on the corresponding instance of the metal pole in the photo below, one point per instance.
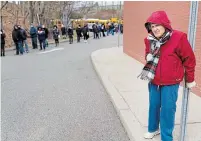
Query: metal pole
(118, 32)
(191, 37)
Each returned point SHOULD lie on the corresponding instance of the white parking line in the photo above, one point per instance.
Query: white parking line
(48, 51)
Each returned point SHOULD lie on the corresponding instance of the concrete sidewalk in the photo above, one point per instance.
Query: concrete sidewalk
(129, 95)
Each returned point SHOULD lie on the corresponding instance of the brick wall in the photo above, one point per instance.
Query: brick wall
(136, 14)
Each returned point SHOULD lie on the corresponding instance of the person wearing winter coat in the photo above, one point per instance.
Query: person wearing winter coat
(33, 34)
(103, 29)
(24, 36)
(99, 29)
(3, 36)
(63, 31)
(85, 32)
(18, 39)
(169, 57)
(70, 35)
(41, 38)
(46, 35)
(79, 33)
(93, 29)
(56, 35)
(96, 32)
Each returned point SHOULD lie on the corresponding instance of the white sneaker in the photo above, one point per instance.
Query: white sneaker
(149, 135)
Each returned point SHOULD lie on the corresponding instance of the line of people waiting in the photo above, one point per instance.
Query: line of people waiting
(40, 33)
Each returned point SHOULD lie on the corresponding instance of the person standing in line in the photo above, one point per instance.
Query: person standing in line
(103, 29)
(169, 57)
(70, 35)
(85, 33)
(3, 36)
(46, 35)
(33, 33)
(63, 31)
(56, 35)
(24, 42)
(17, 38)
(79, 32)
(41, 37)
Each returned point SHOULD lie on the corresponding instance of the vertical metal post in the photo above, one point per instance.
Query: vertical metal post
(118, 32)
(119, 27)
(191, 38)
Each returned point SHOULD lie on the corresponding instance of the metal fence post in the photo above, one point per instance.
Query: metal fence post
(191, 38)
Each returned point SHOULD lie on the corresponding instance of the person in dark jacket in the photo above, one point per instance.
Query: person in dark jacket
(79, 33)
(33, 33)
(111, 27)
(56, 35)
(17, 38)
(24, 36)
(93, 29)
(3, 36)
(85, 32)
(121, 28)
(46, 35)
(103, 29)
(168, 55)
(63, 31)
(41, 37)
(99, 29)
(70, 35)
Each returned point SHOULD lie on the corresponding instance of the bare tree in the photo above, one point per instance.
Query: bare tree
(67, 10)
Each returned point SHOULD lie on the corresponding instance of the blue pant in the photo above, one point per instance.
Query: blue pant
(20, 46)
(162, 108)
(26, 45)
(112, 31)
(42, 44)
(108, 32)
(34, 42)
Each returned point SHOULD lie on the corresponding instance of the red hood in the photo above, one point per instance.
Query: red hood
(158, 17)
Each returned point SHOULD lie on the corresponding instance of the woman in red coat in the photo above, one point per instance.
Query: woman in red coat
(169, 57)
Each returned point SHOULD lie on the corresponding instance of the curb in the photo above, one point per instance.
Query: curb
(127, 118)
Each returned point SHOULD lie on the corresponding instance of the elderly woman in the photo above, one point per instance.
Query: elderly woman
(168, 55)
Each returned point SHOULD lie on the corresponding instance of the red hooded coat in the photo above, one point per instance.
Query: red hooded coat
(176, 55)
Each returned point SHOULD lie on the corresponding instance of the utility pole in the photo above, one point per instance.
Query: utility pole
(119, 27)
(191, 37)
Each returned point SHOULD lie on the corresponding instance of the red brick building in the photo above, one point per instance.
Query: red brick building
(136, 14)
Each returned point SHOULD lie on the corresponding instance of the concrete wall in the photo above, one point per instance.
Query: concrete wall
(136, 14)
